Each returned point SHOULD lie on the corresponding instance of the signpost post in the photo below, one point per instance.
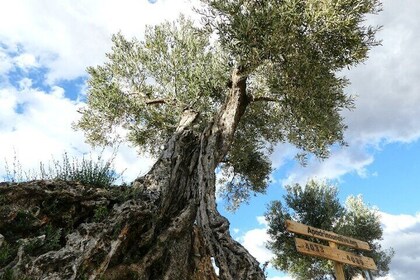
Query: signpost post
(331, 252)
(338, 266)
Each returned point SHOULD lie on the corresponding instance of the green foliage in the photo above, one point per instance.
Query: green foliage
(306, 202)
(100, 213)
(8, 274)
(22, 227)
(326, 32)
(23, 221)
(87, 171)
(292, 50)
(363, 222)
(15, 173)
(7, 253)
(147, 84)
(289, 52)
(317, 205)
(52, 238)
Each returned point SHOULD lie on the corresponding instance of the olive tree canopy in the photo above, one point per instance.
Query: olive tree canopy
(289, 53)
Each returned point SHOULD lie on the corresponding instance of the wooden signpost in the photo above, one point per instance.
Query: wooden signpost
(334, 254)
(331, 252)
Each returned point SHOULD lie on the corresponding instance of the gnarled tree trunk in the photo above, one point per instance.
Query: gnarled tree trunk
(166, 227)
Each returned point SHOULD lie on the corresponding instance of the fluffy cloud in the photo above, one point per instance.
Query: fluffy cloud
(255, 241)
(67, 36)
(9, 61)
(402, 233)
(388, 85)
(6, 63)
(283, 153)
(26, 61)
(345, 160)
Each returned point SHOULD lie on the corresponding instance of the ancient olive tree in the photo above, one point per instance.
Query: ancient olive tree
(317, 204)
(219, 94)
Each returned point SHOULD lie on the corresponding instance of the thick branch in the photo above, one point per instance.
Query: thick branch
(226, 122)
(233, 260)
(150, 101)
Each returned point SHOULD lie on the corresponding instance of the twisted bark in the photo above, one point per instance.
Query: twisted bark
(233, 260)
(166, 226)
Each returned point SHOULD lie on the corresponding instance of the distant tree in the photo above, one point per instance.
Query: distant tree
(220, 95)
(316, 204)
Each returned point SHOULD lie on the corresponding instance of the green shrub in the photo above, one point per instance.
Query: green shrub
(94, 172)
(86, 171)
(7, 253)
(100, 213)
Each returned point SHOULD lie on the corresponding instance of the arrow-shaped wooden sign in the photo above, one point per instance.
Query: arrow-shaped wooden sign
(326, 235)
(318, 250)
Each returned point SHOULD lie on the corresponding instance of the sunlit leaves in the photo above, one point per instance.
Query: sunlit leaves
(254, 31)
(145, 85)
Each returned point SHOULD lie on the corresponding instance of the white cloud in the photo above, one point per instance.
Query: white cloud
(25, 61)
(283, 152)
(388, 84)
(9, 61)
(35, 124)
(255, 241)
(388, 277)
(398, 223)
(67, 36)
(402, 233)
(345, 160)
(262, 221)
(6, 63)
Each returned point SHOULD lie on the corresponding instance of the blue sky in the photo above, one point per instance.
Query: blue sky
(45, 48)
